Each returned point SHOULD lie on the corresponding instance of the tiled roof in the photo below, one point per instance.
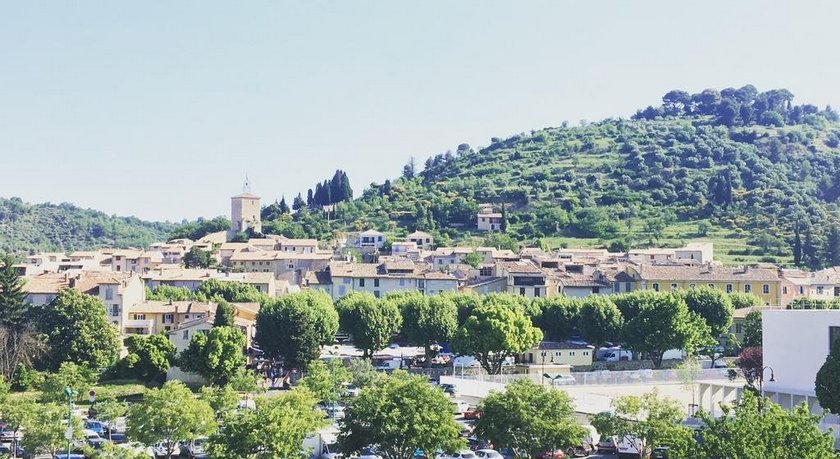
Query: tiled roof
(551, 345)
(167, 307)
(521, 267)
(706, 273)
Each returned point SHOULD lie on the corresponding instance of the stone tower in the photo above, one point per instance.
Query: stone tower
(244, 211)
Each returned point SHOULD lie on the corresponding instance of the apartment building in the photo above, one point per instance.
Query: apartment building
(379, 279)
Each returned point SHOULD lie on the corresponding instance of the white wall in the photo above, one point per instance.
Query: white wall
(795, 345)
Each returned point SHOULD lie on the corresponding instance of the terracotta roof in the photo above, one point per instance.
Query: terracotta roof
(419, 235)
(521, 267)
(317, 278)
(84, 281)
(167, 307)
(550, 345)
(185, 274)
(583, 281)
(246, 195)
(706, 273)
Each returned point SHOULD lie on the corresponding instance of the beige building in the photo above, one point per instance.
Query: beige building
(489, 221)
(421, 239)
(135, 261)
(381, 279)
(526, 279)
(289, 266)
(559, 353)
(151, 317)
(244, 213)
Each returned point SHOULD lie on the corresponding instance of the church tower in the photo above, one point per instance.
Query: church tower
(245, 211)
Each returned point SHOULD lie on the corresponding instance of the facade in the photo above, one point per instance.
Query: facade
(151, 317)
(244, 214)
(490, 221)
(524, 278)
(421, 239)
(371, 240)
(765, 283)
(135, 261)
(381, 279)
(696, 252)
(559, 353)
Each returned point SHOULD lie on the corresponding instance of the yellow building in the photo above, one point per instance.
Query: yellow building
(559, 353)
(765, 283)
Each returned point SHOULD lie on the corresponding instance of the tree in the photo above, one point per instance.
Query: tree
(293, 327)
(371, 322)
(410, 169)
(400, 414)
(77, 377)
(326, 379)
(275, 429)
(559, 316)
(714, 306)
(45, 429)
(198, 258)
(744, 300)
(427, 320)
(751, 364)
(503, 226)
(600, 320)
(827, 384)
(77, 330)
(149, 356)
(752, 428)
(529, 419)
(647, 421)
(19, 341)
(16, 414)
(493, 333)
(675, 102)
(222, 399)
(362, 372)
(284, 208)
(109, 410)
(832, 246)
(663, 322)
(473, 259)
(216, 356)
(752, 329)
(169, 415)
(169, 293)
(234, 292)
(224, 315)
(797, 246)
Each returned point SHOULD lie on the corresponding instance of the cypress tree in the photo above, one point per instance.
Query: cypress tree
(13, 304)
(797, 246)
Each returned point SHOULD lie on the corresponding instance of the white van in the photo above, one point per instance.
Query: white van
(629, 447)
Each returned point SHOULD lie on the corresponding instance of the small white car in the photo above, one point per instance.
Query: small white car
(466, 454)
(368, 453)
(488, 454)
(460, 407)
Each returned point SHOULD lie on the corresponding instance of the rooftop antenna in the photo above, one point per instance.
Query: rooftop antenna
(246, 187)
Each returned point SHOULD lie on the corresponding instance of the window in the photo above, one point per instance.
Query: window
(596, 290)
(522, 291)
(346, 280)
(655, 287)
(728, 288)
(801, 290)
(711, 285)
(139, 316)
(628, 286)
(376, 293)
(836, 291)
(168, 318)
(376, 282)
(673, 286)
(820, 290)
(571, 354)
(747, 288)
(186, 334)
(536, 293)
(402, 282)
(361, 282)
(109, 293)
(739, 328)
(342, 290)
(692, 285)
(186, 316)
(616, 287)
(766, 289)
(784, 290)
(115, 310)
(833, 336)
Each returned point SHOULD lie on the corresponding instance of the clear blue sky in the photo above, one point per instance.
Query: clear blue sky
(158, 109)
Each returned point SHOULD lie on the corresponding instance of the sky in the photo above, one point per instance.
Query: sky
(159, 109)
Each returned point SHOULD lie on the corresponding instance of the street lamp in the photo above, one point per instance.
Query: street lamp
(543, 354)
(70, 394)
(761, 382)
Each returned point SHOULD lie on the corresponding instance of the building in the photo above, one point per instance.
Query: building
(135, 261)
(405, 249)
(371, 240)
(421, 239)
(151, 317)
(244, 213)
(526, 279)
(696, 252)
(559, 353)
(383, 278)
(765, 283)
(489, 221)
(289, 266)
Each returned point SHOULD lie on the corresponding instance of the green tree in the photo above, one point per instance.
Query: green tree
(714, 306)
(473, 259)
(832, 246)
(77, 330)
(400, 413)
(649, 421)
(149, 357)
(16, 414)
(752, 330)
(362, 372)
(827, 384)
(222, 400)
(293, 327)
(216, 356)
(234, 292)
(529, 419)
(326, 379)
(662, 323)
(744, 300)
(493, 333)
(275, 429)
(224, 315)
(371, 322)
(750, 429)
(109, 410)
(168, 415)
(169, 293)
(559, 315)
(427, 320)
(600, 320)
(45, 429)
(76, 377)
(198, 258)
(17, 336)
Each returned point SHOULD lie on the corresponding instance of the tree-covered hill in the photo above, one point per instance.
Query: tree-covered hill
(64, 227)
(738, 163)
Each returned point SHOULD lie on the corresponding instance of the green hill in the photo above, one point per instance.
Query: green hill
(64, 227)
(745, 169)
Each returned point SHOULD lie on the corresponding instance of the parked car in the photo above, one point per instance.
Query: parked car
(607, 445)
(466, 454)
(8, 435)
(488, 454)
(118, 438)
(196, 447)
(159, 450)
(449, 389)
(472, 413)
(460, 406)
(556, 454)
(369, 453)
(95, 426)
(70, 456)
(6, 450)
(660, 452)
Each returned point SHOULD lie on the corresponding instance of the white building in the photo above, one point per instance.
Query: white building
(371, 239)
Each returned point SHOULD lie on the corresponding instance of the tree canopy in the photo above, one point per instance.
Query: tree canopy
(293, 327)
(371, 322)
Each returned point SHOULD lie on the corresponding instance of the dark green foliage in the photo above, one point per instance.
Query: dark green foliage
(712, 305)
(600, 320)
(752, 329)
(558, 317)
(217, 355)
(827, 385)
(199, 228)
(198, 258)
(49, 227)
(224, 315)
(148, 357)
(234, 292)
(370, 321)
(13, 304)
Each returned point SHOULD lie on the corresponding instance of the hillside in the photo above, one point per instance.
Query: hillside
(748, 170)
(64, 227)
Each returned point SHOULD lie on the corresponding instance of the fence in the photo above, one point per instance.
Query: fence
(607, 377)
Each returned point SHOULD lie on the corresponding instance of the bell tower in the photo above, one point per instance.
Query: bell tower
(244, 211)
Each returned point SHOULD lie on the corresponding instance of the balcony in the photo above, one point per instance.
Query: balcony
(138, 327)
